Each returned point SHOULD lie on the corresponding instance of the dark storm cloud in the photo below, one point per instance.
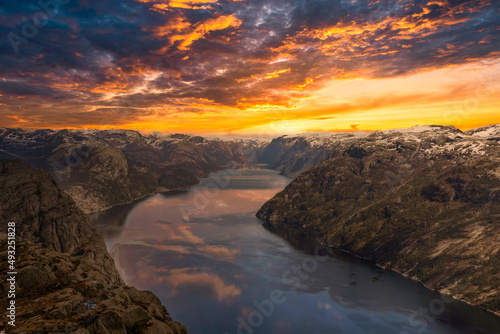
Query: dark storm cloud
(21, 88)
(149, 53)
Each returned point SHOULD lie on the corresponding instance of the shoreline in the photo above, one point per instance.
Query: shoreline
(140, 198)
(415, 280)
(167, 191)
(306, 233)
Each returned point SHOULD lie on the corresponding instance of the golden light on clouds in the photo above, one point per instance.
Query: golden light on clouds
(248, 67)
(205, 27)
(465, 96)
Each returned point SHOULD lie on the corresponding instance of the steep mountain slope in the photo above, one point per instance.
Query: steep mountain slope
(66, 280)
(47, 216)
(101, 169)
(491, 132)
(423, 201)
(293, 155)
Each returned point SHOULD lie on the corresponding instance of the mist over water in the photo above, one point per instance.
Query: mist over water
(219, 270)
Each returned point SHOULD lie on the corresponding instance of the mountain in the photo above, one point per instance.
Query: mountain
(101, 169)
(292, 155)
(66, 280)
(491, 132)
(424, 202)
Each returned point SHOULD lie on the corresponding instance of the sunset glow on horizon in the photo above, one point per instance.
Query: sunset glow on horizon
(252, 67)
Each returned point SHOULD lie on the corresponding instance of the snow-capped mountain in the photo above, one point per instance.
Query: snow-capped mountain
(490, 132)
(293, 155)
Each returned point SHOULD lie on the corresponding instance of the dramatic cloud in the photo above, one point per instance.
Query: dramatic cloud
(133, 63)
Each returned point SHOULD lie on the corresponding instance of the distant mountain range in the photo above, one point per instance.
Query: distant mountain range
(101, 169)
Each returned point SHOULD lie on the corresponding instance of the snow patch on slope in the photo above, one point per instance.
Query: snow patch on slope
(422, 128)
(485, 131)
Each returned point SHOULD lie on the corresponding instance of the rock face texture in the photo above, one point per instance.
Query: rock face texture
(101, 169)
(293, 155)
(47, 216)
(66, 280)
(423, 201)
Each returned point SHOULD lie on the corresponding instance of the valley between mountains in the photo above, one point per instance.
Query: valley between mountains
(423, 201)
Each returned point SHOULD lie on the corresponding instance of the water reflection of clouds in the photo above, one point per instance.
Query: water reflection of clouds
(183, 234)
(220, 251)
(171, 248)
(164, 222)
(282, 326)
(249, 179)
(153, 201)
(220, 204)
(326, 306)
(253, 196)
(231, 201)
(159, 209)
(180, 280)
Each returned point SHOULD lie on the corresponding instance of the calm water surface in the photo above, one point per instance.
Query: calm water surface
(219, 270)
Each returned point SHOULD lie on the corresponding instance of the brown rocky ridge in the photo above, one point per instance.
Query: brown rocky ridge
(66, 280)
(424, 202)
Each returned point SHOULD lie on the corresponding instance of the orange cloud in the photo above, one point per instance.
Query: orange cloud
(16, 119)
(204, 28)
(276, 74)
(160, 5)
(348, 40)
(176, 24)
(190, 4)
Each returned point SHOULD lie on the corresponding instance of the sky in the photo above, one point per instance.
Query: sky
(249, 66)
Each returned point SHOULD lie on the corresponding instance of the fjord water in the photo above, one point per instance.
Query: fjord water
(219, 270)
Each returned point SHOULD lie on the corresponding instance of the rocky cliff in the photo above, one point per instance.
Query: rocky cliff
(293, 155)
(101, 169)
(424, 202)
(66, 280)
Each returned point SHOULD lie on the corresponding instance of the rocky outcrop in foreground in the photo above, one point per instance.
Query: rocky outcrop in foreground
(66, 280)
(424, 202)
